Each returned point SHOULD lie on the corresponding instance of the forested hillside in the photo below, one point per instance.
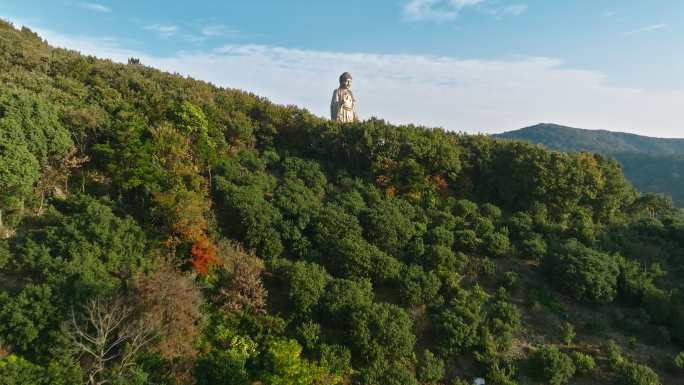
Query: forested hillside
(603, 142)
(160, 230)
(653, 165)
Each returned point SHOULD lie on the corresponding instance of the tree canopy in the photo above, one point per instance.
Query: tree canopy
(204, 235)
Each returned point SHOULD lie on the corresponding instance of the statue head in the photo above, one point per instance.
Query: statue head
(345, 80)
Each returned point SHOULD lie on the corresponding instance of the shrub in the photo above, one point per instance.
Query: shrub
(679, 361)
(309, 333)
(385, 373)
(502, 314)
(567, 332)
(336, 358)
(614, 353)
(490, 211)
(466, 240)
(501, 376)
(483, 227)
(430, 368)
(419, 287)
(488, 267)
(510, 280)
(496, 244)
(440, 235)
(631, 373)
(583, 362)
(552, 365)
(534, 248)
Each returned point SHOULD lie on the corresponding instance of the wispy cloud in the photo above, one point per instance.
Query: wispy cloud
(162, 30)
(472, 95)
(435, 10)
(647, 28)
(447, 10)
(219, 30)
(505, 10)
(214, 30)
(610, 13)
(94, 7)
(193, 38)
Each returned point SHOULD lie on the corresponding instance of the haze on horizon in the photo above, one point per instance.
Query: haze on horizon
(468, 65)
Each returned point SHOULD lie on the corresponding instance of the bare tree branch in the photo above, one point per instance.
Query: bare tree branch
(110, 334)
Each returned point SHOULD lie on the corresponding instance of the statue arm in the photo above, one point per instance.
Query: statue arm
(356, 115)
(334, 106)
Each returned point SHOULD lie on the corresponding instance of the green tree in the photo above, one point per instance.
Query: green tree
(26, 318)
(256, 219)
(504, 319)
(631, 373)
(389, 226)
(679, 361)
(82, 247)
(585, 273)
(430, 368)
(32, 119)
(614, 354)
(567, 332)
(307, 282)
(15, 370)
(419, 287)
(19, 170)
(381, 332)
(284, 366)
(387, 373)
(336, 358)
(343, 297)
(583, 362)
(457, 323)
(552, 365)
(496, 244)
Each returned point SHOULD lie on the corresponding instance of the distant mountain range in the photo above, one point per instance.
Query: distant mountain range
(651, 164)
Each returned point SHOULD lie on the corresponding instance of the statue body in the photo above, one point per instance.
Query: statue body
(343, 104)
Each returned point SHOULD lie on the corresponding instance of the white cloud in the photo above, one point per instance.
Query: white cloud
(94, 7)
(162, 30)
(435, 10)
(447, 10)
(457, 94)
(647, 28)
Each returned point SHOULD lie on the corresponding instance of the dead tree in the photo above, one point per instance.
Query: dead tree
(107, 337)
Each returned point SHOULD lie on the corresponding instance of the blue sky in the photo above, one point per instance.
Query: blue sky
(472, 65)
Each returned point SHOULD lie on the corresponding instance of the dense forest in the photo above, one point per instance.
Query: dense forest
(156, 229)
(653, 165)
(600, 141)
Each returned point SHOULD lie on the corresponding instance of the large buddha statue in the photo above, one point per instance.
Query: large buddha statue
(343, 104)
